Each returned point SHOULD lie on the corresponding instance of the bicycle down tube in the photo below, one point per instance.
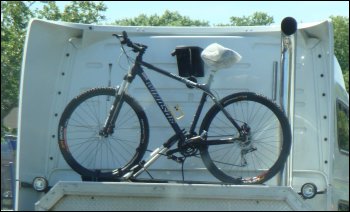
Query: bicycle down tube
(137, 70)
(203, 87)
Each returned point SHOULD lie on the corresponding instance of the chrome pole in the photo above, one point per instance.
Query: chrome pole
(287, 91)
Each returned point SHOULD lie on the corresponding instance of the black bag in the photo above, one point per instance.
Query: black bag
(189, 61)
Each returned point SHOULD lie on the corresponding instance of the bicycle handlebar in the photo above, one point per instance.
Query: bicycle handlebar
(136, 47)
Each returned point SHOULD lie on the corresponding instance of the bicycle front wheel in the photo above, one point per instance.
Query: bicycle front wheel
(92, 155)
(258, 155)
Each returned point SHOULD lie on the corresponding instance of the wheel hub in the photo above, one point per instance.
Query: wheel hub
(245, 134)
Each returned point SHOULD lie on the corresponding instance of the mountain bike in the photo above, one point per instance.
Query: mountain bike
(244, 138)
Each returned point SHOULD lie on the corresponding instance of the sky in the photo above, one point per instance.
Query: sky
(217, 12)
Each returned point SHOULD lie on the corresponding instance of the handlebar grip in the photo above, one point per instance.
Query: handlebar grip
(125, 38)
(125, 35)
(127, 41)
(135, 46)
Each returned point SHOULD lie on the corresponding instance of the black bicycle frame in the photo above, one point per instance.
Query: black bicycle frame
(129, 77)
(137, 70)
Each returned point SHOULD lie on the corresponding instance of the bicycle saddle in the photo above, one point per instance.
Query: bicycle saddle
(218, 57)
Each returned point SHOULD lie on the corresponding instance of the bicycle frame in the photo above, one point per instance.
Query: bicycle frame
(204, 87)
(161, 104)
(138, 70)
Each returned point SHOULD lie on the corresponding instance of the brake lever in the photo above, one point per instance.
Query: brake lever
(119, 37)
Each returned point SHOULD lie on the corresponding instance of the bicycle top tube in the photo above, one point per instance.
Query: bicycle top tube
(140, 48)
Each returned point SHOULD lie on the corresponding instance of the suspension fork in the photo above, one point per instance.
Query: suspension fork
(108, 127)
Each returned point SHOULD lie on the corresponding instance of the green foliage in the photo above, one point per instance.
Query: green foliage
(167, 19)
(50, 11)
(86, 12)
(257, 19)
(341, 44)
(346, 79)
(14, 18)
(343, 128)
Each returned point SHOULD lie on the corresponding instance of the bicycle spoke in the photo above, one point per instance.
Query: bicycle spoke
(86, 150)
(252, 156)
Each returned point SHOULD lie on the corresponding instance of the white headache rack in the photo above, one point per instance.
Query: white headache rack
(123, 196)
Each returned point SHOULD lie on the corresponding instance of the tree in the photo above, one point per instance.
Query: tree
(346, 79)
(50, 11)
(167, 19)
(257, 19)
(15, 16)
(86, 12)
(341, 44)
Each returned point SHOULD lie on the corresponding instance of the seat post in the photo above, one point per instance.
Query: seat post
(210, 79)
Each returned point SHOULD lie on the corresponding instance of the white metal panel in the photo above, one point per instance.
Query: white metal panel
(164, 197)
(87, 66)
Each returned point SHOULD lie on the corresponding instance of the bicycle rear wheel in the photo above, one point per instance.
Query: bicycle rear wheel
(259, 155)
(92, 155)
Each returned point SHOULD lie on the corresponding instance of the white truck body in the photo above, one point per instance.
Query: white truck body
(63, 59)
